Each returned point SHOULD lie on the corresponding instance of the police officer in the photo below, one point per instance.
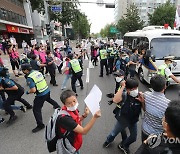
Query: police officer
(14, 92)
(38, 85)
(103, 60)
(165, 71)
(111, 52)
(76, 70)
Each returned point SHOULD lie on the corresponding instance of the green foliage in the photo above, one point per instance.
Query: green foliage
(37, 5)
(164, 14)
(131, 22)
(105, 32)
(81, 25)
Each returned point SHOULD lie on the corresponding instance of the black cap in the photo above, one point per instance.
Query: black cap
(26, 67)
(119, 73)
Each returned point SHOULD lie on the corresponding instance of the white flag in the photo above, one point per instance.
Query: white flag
(177, 18)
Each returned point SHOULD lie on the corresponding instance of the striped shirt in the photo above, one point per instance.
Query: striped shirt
(155, 107)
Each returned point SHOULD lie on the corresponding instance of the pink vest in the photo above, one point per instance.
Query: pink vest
(42, 56)
(36, 52)
(14, 54)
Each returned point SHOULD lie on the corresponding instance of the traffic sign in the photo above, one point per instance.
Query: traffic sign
(56, 8)
(113, 29)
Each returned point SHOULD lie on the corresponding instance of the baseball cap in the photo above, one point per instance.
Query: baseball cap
(169, 58)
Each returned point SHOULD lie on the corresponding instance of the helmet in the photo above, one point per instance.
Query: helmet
(26, 67)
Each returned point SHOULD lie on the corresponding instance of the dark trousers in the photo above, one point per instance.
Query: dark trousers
(52, 73)
(103, 63)
(38, 104)
(74, 78)
(59, 68)
(110, 64)
(132, 73)
(3, 95)
(10, 101)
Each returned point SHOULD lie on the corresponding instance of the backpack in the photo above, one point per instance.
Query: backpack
(51, 131)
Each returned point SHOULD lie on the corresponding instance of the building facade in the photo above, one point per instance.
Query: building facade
(15, 20)
(144, 7)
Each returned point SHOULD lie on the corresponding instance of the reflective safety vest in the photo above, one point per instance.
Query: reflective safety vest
(39, 81)
(75, 65)
(161, 70)
(103, 53)
(111, 51)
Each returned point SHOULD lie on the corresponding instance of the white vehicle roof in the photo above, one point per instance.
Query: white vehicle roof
(154, 33)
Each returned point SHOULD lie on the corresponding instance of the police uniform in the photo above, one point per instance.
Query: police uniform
(111, 59)
(13, 95)
(103, 62)
(76, 71)
(164, 70)
(35, 79)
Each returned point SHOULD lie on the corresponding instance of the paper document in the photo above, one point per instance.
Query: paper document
(93, 99)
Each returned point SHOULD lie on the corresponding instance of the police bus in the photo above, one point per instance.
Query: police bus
(159, 43)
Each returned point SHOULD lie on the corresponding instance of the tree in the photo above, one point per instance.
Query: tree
(164, 14)
(131, 22)
(37, 5)
(81, 25)
(105, 32)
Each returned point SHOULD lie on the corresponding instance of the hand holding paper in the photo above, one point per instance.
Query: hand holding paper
(93, 99)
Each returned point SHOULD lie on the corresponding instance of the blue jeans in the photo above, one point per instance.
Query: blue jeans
(120, 127)
(77, 152)
(14, 107)
(66, 80)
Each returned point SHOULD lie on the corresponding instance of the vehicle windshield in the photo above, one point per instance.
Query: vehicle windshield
(162, 47)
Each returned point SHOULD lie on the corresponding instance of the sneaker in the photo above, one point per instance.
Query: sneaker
(100, 76)
(22, 108)
(29, 107)
(38, 128)
(11, 119)
(110, 95)
(77, 85)
(62, 88)
(19, 73)
(55, 85)
(82, 88)
(125, 150)
(2, 120)
(106, 144)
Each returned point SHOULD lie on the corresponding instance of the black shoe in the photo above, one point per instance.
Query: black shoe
(16, 75)
(100, 75)
(125, 150)
(55, 85)
(110, 102)
(38, 128)
(22, 109)
(110, 95)
(19, 73)
(106, 144)
(29, 107)
(107, 74)
(2, 120)
(76, 94)
(11, 119)
(82, 88)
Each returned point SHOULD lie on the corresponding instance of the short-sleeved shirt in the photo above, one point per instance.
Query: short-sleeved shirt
(52, 66)
(69, 124)
(168, 72)
(31, 84)
(133, 58)
(155, 106)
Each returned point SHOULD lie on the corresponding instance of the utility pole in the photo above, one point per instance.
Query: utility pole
(48, 22)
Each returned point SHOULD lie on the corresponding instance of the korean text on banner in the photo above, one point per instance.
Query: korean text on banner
(93, 99)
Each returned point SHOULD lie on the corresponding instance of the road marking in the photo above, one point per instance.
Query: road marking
(90, 65)
(87, 76)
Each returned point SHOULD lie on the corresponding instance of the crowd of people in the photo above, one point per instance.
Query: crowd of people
(161, 115)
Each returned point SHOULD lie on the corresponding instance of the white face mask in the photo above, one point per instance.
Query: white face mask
(73, 108)
(118, 79)
(134, 93)
(123, 58)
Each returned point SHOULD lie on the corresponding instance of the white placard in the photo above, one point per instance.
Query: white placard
(93, 99)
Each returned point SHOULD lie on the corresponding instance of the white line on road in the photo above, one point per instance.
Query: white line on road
(87, 76)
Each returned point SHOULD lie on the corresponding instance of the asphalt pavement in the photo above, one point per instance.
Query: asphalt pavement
(18, 138)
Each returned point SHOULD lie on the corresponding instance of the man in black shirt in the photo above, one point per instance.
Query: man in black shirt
(169, 141)
(51, 68)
